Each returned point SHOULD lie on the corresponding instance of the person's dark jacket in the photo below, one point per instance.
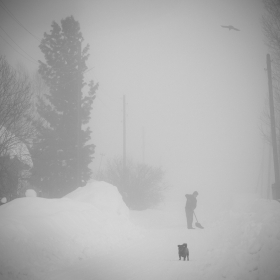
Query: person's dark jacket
(191, 202)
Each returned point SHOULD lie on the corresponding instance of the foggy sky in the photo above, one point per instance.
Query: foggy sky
(196, 90)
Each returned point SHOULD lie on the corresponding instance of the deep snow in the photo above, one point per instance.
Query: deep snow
(91, 234)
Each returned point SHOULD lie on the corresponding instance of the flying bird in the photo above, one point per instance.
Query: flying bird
(230, 27)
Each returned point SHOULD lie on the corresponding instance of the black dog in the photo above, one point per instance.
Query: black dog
(183, 251)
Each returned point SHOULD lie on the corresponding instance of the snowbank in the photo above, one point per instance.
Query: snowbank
(241, 239)
(102, 195)
(40, 236)
(30, 193)
(90, 234)
(244, 243)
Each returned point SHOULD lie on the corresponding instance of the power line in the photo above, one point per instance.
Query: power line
(88, 70)
(34, 60)
(10, 13)
(16, 49)
(116, 112)
(17, 21)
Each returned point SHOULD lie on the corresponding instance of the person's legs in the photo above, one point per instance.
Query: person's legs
(189, 215)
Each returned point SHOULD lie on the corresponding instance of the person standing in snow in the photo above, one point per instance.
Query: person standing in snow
(189, 208)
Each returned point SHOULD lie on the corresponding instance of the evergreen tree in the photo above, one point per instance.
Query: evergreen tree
(62, 154)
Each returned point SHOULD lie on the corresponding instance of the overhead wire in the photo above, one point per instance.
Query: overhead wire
(34, 60)
(116, 113)
(17, 21)
(26, 55)
(17, 50)
(63, 84)
(5, 8)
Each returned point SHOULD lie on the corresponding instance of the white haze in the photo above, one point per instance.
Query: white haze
(195, 90)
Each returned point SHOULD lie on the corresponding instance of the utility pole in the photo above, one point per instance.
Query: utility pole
(276, 185)
(124, 144)
(268, 191)
(143, 139)
(100, 165)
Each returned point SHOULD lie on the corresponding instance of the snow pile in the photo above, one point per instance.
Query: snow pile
(241, 239)
(244, 243)
(90, 234)
(30, 193)
(103, 196)
(40, 236)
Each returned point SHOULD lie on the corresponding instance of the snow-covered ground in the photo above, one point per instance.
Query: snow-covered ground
(91, 234)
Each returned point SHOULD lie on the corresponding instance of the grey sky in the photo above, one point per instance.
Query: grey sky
(197, 89)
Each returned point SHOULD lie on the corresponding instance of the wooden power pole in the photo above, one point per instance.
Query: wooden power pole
(102, 155)
(143, 144)
(276, 186)
(124, 144)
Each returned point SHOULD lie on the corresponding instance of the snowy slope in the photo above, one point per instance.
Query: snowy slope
(82, 236)
(40, 236)
(247, 241)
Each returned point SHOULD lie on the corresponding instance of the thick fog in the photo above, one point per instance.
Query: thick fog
(194, 91)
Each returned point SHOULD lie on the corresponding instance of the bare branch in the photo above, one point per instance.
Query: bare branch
(16, 118)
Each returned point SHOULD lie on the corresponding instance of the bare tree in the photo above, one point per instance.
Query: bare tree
(17, 130)
(271, 24)
(271, 28)
(144, 185)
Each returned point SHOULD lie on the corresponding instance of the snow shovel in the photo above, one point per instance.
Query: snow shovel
(197, 224)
